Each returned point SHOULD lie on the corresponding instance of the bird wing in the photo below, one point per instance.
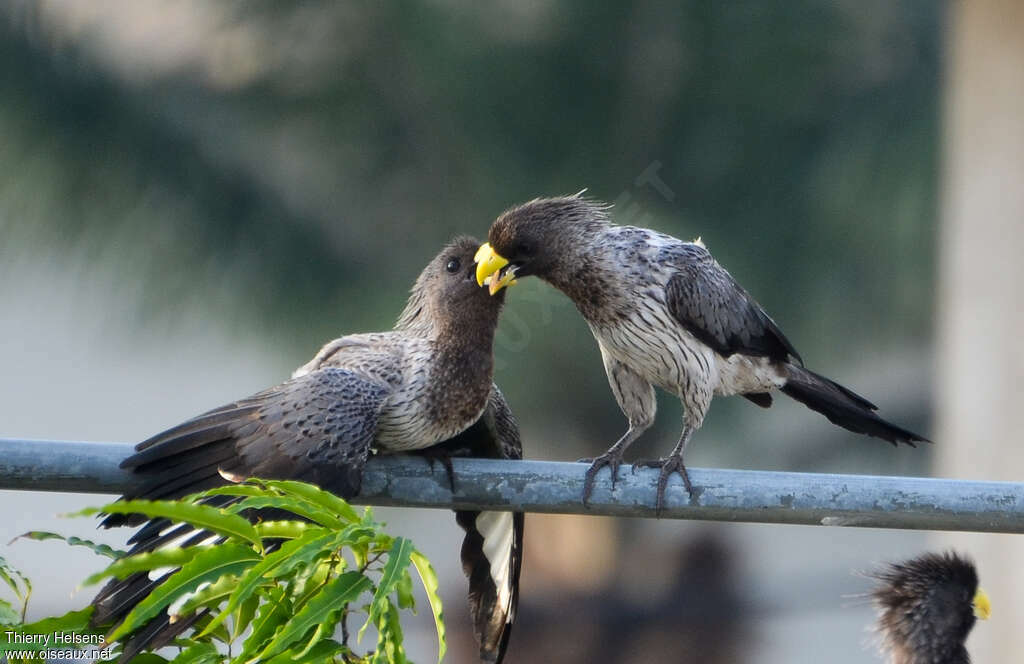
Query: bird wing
(708, 302)
(492, 551)
(318, 428)
(376, 355)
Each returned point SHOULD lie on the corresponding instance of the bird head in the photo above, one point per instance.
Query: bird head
(928, 606)
(544, 237)
(446, 292)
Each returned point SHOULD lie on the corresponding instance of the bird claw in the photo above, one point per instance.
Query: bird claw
(668, 465)
(611, 459)
(446, 462)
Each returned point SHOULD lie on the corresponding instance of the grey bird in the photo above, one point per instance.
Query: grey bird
(423, 387)
(664, 314)
(926, 608)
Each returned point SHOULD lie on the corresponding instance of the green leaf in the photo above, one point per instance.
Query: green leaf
(323, 651)
(317, 496)
(271, 616)
(203, 517)
(288, 504)
(291, 555)
(211, 595)
(398, 562)
(15, 580)
(149, 658)
(247, 488)
(310, 580)
(8, 614)
(429, 579)
(200, 653)
(299, 498)
(243, 615)
(317, 543)
(283, 529)
(144, 562)
(207, 566)
(101, 549)
(319, 634)
(394, 629)
(404, 592)
(389, 641)
(321, 608)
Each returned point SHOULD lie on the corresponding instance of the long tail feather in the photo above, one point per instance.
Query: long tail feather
(843, 406)
(492, 559)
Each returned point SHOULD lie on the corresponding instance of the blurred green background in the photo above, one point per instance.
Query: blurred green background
(195, 196)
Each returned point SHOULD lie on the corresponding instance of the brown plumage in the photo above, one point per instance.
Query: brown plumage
(665, 314)
(425, 384)
(926, 608)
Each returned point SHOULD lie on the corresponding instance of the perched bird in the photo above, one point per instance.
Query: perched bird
(926, 608)
(664, 314)
(424, 387)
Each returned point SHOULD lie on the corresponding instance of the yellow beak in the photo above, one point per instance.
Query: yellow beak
(488, 265)
(982, 605)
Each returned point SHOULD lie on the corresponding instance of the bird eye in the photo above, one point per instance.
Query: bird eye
(453, 265)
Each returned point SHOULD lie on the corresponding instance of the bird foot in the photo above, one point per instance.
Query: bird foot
(668, 465)
(611, 459)
(445, 459)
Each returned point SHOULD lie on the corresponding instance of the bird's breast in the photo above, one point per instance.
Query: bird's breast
(648, 340)
(438, 399)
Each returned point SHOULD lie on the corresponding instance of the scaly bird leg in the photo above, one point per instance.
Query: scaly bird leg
(612, 458)
(673, 463)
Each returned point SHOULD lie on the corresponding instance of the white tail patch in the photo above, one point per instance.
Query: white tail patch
(158, 573)
(497, 529)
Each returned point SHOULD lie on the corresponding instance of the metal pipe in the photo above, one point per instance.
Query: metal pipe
(544, 486)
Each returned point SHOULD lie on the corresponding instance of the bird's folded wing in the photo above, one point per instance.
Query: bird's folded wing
(317, 428)
(708, 302)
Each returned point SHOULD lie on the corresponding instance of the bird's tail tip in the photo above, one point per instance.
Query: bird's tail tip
(844, 407)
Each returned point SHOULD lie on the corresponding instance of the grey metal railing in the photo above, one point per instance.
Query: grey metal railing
(544, 486)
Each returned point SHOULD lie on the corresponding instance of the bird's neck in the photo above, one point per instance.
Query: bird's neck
(460, 378)
(458, 343)
(583, 275)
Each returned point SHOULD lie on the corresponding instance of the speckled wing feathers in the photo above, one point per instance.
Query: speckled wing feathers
(709, 303)
(318, 426)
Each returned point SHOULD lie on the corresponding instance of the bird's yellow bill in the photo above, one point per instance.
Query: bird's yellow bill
(488, 269)
(982, 605)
